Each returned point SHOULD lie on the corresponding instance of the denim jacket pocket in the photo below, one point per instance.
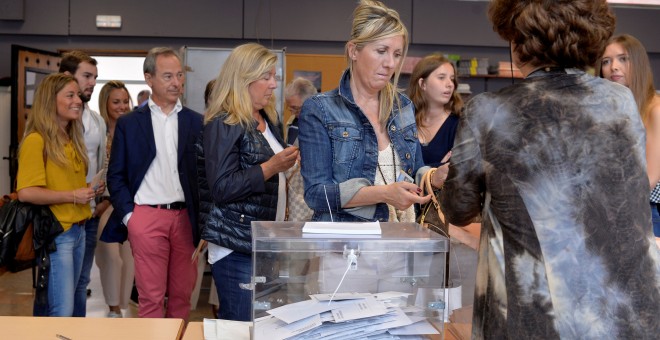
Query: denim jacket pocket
(346, 140)
(410, 133)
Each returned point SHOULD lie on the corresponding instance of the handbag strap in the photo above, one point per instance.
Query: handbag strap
(427, 189)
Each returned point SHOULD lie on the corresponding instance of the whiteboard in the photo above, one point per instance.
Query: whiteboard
(203, 64)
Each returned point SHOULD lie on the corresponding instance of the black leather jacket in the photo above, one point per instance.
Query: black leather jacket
(18, 216)
(232, 180)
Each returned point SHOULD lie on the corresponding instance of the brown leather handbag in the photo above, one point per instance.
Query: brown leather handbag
(430, 214)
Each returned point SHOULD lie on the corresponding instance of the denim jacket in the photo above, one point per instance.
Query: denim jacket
(339, 152)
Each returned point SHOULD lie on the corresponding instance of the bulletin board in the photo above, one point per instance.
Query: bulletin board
(325, 69)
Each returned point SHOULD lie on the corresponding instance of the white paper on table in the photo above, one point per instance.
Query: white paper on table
(215, 329)
(339, 296)
(271, 328)
(350, 228)
(421, 327)
(96, 180)
(343, 330)
(353, 329)
(351, 236)
(209, 329)
(400, 319)
(304, 309)
(360, 309)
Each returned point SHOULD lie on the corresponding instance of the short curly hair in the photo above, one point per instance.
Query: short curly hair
(567, 33)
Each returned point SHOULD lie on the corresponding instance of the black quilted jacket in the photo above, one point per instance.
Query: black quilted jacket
(233, 192)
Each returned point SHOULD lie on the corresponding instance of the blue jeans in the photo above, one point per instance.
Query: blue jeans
(65, 266)
(655, 218)
(228, 273)
(80, 304)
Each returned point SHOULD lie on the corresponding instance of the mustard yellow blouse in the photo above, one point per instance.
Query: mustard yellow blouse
(33, 173)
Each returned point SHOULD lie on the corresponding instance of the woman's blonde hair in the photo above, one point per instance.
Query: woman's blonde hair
(105, 94)
(42, 119)
(246, 64)
(374, 21)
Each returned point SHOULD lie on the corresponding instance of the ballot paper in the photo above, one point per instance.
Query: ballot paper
(303, 309)
(97, 179)
(360, 309)
(355, 315)
(421, 327)
(345, 228)
(271, 327)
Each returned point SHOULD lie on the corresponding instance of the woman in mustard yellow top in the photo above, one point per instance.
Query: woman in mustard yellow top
(52, 164)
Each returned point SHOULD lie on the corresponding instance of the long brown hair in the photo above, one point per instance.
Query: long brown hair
(640, 76)
(43, 120)
(423, 70)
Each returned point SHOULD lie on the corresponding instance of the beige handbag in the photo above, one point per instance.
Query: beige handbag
(296, 208)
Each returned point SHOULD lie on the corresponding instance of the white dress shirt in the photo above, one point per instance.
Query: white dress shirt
(94, 136)
(161, 184)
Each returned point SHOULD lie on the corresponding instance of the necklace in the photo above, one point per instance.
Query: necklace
(393, 162)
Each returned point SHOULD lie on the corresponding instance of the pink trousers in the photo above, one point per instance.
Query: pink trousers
(162, 247)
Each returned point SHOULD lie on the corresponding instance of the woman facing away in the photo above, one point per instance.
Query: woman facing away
(356, 140)
(245, 157)
(555, 165)
(625, 62)
(115, 260)
(52, 166)
(432, 89)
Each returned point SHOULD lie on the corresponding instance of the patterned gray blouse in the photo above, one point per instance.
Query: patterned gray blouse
(556, 166)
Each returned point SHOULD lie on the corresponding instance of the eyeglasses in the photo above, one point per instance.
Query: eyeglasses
(294, 109)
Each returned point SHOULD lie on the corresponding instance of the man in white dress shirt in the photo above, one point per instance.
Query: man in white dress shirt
(152, 179)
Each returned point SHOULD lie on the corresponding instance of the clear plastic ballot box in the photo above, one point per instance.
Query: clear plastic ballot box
(397, 278)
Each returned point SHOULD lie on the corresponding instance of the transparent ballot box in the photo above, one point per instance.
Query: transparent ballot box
(334, 286)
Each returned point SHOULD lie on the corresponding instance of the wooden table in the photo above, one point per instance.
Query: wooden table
(194, 331)
(37, 328)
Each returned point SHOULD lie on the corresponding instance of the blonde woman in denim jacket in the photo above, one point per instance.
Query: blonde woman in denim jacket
(363, 134)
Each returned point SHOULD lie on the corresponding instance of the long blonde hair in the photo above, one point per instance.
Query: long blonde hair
(246, 64)
(374, 21)
(42, 119)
